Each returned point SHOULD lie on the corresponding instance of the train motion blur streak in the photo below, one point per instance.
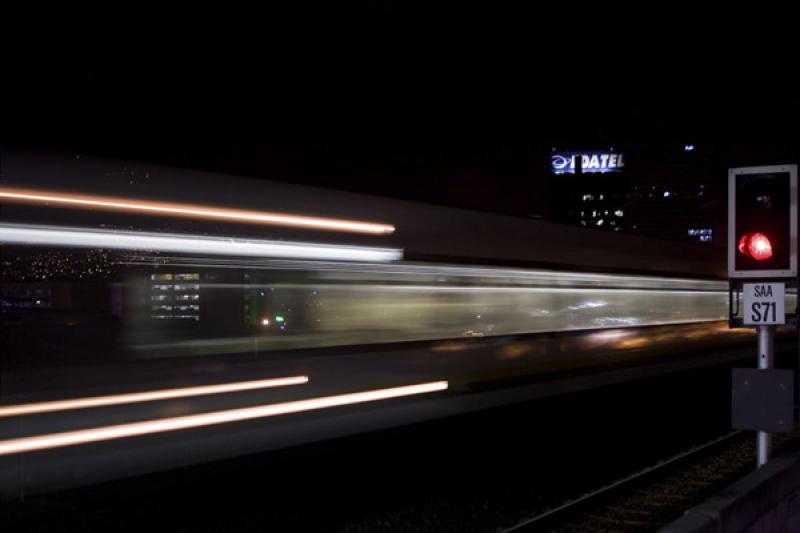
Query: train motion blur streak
(338, 305)
(71, 438)
(129, 240)
(148, 396)
(186, 210)
(429, 271)
(129, 339)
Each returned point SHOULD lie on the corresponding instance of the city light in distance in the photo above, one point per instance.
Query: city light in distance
(133, 205)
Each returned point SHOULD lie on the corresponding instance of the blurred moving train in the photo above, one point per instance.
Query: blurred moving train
(146, 326)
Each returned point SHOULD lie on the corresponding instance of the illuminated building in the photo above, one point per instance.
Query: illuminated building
(666, 191)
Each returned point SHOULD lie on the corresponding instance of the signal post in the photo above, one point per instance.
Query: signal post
(762, 263)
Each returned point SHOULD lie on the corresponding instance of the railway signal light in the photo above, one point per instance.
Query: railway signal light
(762, 247)
(762, 222)
(755, 245)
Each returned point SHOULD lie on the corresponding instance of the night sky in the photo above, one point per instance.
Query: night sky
(448, 102)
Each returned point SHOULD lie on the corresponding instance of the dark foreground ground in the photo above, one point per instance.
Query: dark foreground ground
(478, 472)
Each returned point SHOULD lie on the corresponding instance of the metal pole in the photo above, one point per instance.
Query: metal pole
(766, 360)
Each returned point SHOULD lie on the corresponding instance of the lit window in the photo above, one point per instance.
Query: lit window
(702, 234)
(618, 212)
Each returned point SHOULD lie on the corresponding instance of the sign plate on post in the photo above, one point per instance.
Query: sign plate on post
(763, 400)
(763, 304)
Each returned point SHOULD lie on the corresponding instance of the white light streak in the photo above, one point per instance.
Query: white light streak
(84, 436)
(148, 396)
(524, 276)
(587, 305)
(186, 210)
(190, 244)
(589, 291)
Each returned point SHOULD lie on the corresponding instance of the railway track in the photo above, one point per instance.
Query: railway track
(653, 497)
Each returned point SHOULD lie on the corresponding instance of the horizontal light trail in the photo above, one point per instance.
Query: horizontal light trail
(84, 436)
(187, 210)
(169, 242)
(589, 291)
(149, 396)
(528, 277)
(577, 290)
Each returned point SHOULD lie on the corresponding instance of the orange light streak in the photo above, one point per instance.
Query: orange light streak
(195, 211)
(148, 396)
(84, 436)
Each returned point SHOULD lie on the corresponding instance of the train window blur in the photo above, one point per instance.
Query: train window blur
(56, 302)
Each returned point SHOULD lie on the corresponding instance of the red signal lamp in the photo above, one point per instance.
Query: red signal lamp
(755, 245)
